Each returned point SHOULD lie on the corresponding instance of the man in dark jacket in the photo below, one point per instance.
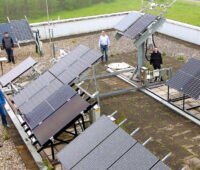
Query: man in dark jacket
(8, 45)
(2, 110)
(156, 60)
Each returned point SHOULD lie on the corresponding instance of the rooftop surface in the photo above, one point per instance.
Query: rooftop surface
(171, 132)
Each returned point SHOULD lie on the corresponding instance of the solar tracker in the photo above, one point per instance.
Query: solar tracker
(6, 27)
(75, 63)
(59, 119)
(21, 30)
(110, 148)
(42, 95)
(33, 88)
(90, 138)
(127, 21)
(48, 105)
(139, 26)
(187, 79)
(17, 71)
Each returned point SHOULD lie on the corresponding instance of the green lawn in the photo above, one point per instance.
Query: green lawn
(187, 11)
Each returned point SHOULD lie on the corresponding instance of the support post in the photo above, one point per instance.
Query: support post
(140, 58)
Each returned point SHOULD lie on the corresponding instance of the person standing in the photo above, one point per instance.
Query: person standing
(156, 60)
(3, 110)
(104, 44)
(8, 45)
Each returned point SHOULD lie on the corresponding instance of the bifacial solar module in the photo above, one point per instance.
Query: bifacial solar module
(17, 71)
(75, 63)
(42, 95)
(59, 119)
(90, 138)
(52, 103)
(140, 26)
(5, 27)
(110, 148)
(33, 88)
(21, 30)
(127, 21)
(187, 79)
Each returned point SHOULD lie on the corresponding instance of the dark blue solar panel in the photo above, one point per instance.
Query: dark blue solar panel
(5, 27)
(22, 30)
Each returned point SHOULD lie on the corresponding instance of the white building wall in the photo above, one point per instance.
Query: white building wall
(82, 25)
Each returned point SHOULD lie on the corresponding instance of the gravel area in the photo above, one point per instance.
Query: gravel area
(9, 157)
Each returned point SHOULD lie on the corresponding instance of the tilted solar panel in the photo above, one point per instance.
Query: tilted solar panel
(40, 96)
(127, 21)
(52, 103)
(33, 88)
(59, 119)
(22, 30)
(17, 71)
(90, 138)
(140, 26)
(187, 79)
(136, 158)
(110, 150)
(5, 27)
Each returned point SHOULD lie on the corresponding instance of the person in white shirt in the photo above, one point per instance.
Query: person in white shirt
(104, 44)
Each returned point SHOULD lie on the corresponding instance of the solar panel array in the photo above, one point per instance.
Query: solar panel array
(134, 24)
(19, 30)
(17, 71)
(48, 104)
(187, 79)
(106, 146)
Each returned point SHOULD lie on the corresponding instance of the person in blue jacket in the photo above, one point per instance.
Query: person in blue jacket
(2, 109)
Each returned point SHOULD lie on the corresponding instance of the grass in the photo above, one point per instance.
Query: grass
(187, 11)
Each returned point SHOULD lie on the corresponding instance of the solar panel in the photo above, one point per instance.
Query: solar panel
(17, 71)
(136, 158)
(106, 146)
(22, 30)
(63, 64)
(110, 150)
(140, 26)
(127, 21)
(42, 95)
(90, 138)
(33, 88)
(72, 65)
(49, 106)
(5, 27)
(59, 119)
(187, 79)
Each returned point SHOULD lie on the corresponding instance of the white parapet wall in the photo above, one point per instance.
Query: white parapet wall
(69, 27)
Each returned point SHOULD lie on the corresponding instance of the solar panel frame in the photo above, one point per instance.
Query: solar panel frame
(13, 74)
(127, 21)
(140, 26)
(160, 166)
(90, 138)
(60, 118)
